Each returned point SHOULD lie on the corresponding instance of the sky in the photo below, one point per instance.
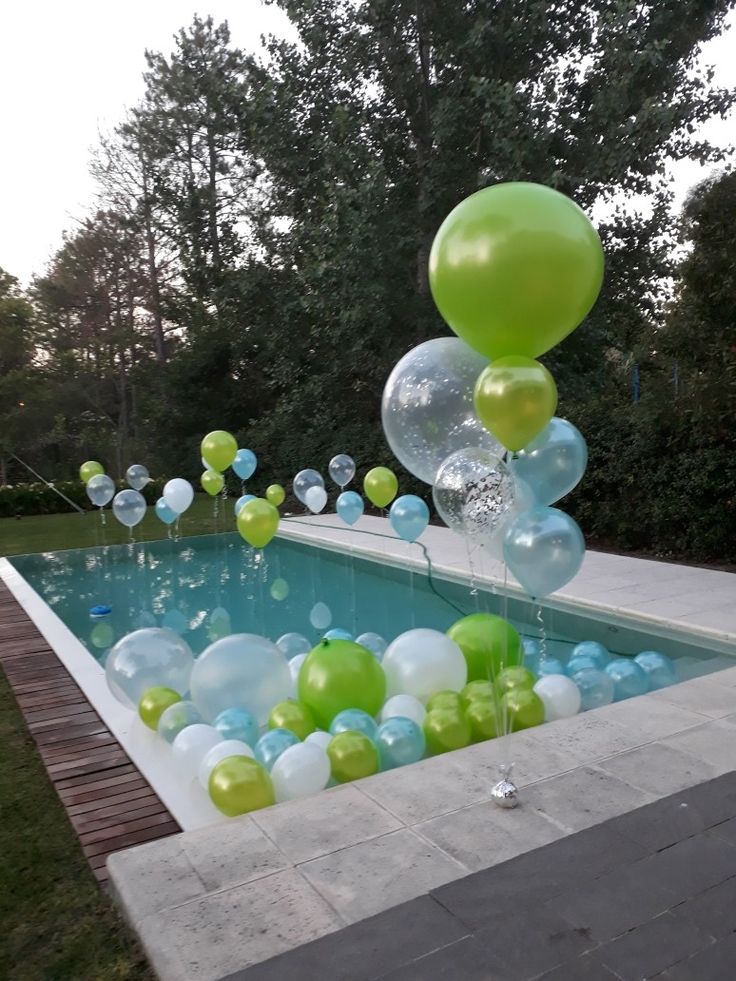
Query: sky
(70, 69)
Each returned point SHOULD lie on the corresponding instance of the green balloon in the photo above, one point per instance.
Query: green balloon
(477, 689)
(489, 643)
(445, 700)
(294, 716)
(338, 675)
(352, 756)
(89, 470)
(446, 729)
(514, 677)
(482, 717)
(523, 709)
(515, 268)
(515, 398)
(239, 784)
(154, 703)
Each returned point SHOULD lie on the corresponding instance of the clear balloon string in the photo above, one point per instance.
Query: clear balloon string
(542, 635)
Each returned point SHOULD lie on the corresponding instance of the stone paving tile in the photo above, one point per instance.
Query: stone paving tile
(715, 963)
(714, 910)
(153, 877)
(664, 822)
(585, 968)
(587, 737)
(703, 695)
(658, 769)
(714, 742)
(467, 960)
(649, 719)
(652, 947)
(239, 852)
(690, 866)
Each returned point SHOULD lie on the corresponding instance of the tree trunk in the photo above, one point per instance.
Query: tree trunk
(154, 298)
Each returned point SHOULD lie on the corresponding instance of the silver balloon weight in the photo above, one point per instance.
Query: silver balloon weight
(505, 793)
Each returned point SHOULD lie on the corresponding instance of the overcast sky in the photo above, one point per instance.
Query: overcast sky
(69, 68)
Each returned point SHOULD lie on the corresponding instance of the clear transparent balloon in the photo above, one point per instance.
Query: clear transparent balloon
(137, 476)
(342, 469)
(148, 658)
(100, 490)
(304, 480)
(293, 644)
(129, 507)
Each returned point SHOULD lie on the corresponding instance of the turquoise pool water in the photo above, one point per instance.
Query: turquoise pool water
(206, 586)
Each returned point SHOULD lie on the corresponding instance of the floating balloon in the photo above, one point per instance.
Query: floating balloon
(154, 702)
(218, 449)
(102, 635)
(480, 689)
(221, 751)
(219, 624)
(421, 662)
(514, 268)
(239, 724)
(514, 677)
(258, 522)
(445, 700)
(544, 550)
(446, 729)
(176, 621)
(192, 745)
(241, 501)
(129, 507)
(553, 463)
(488, 642)
(294, 644)
(164, 512)
(319, 738)
(239, 785)
(400, 742)
(354, 720)
(596, 688)
(279, 590)
(337, 633)
(245, 464)
(350, 507)
(144, 659)
(550, 666)
(292, 715)
(89, 470)
(320, 616)
(522, 708)
(352, 756)
(275, 494)
(560, 695)
(300, 771)
(137, 476)
(380, 486)
(409, 517)
(178, 494)
(315, 498)
(593, 650)
(580, 661)
(337, 675)
(100, 489)
(272, 744)
(304, 480)
(177, 717)
(295, 666)
(342, 469)
(374, 642)
(532, 653)
(212, 481)
(629, 679)
(482, 716)
(659, 669)
(404, 706)
(515, 398)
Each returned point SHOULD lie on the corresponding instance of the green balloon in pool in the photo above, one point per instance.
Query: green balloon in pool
(238, 785)
(352, 756)
(523, 708)
(154, 703)
(446, 729)
(294, 716)
(477, 689)
(445, 700)
(482, 716)
(489, 643)
(514, 677)
(338, 675)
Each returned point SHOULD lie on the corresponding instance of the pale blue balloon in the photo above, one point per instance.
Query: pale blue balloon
(241, 501)
(245, 464)
(237, 723)
(553, 463)
(354, 720)
(350, 507)
(374, 642)
(596, 688)
(400, 741)
(532, 653)
(629, 679)
(337, 633)
(177, 717)
(544, 550)
(164, 512)
(272, 744)
(592, 649)
(293, 644)
(659, 669)
(129, 507)
(409, 516)
(550, 665)
(578, 662)
(100, 489)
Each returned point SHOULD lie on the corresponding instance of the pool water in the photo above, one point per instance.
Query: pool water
(209, 586)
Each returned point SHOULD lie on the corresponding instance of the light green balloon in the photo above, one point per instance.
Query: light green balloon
(338, 675)
(515, 398)
(352, 756)
(446, 729)
(488, 642)
(89, 470)
(238, 785)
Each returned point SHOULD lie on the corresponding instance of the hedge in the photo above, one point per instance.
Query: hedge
(39, 498)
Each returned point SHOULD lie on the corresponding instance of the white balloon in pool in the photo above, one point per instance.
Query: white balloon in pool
(295, 666)
(148, 658)
(240, 671)
(319, 738)
(421, 662)
(300, 770)
(406, 707)
(192, 745)
(561, 696)
(293, 644)
(374, 642)
(320, 616)
(221, 751)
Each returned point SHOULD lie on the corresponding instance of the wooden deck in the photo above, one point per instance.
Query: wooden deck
(108, 802)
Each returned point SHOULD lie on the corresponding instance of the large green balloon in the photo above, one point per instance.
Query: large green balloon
(446, 729)
(337, 675)
(352, 756)
(515, 268)
(489, 643)
(515, 398)
(445, 700)
(239, 784)
(218, 450)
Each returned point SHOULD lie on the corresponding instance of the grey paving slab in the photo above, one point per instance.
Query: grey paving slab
(705, 696)
(585, 968)
(659, 769)
(466, 959)
(689, 866)
(661, 824)
(648, 719)
(714, 910)
(239, 852)
(713, 742)
(652, 947)
(588, 737)
(153, 876)
(714, 963)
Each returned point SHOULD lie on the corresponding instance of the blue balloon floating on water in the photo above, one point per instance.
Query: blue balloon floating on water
(550, 665)
(409, 516)
(579, 662)
(592, 649)
(272, 744)
(237, 723)
(374, 642)
(553, 463)
(629, 679)
(659, 669)
(354, 720)
(241, 501)
(400, 742)
(596, 688)
(337, 633)
(350, 507)
(532, 653)
(164, 512)
(245, 463)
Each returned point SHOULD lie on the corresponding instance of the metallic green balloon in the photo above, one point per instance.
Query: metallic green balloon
(479, 689)
(89, 470)
(446, 729)
(482, 716)
(514, 677)
(294, 716)
(338, 675)
(515, 398)
(239, 784)
(523, 709)
(352, 756)
(445, 700)
(489, 643)
(154, 703)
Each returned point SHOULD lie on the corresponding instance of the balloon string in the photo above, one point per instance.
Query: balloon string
(542, 635)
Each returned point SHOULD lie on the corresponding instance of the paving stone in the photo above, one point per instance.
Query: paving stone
(305, 829)
(702, 695)
(658, 769)
(652, 947)
(715, 799)
(714, 743)
(587, 737)
(238, 852)
(714, 963)
(690, 866)
(663, 823)
(466, 959)
(585, 968)
(153, 877)
(648, 718)
(374, 875)
(725, 830)
(713, 911)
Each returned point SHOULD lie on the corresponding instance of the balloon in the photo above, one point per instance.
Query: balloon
(315, 498)
(258, 522)
(342, 469)
(177, 717)
(240, 671)
(178, 494)
(164, 512)
(659, 669)
(354, 720)
(137, 476)
(629, 679)
(154, 702)
(544, 550)
(560, 696)
(241, 501)
(550, 666)
(482, 717)
(320, 616)
(400, 742)
(279, 590)
(221, 751)
(89, 470)
(352, 756)
(374, 642)
(144, 659)
(409, 516)
(129, 507)
(579, 662)
(515, 677)
(596, 688)
(445, 700)
(514, 268)
(219, 624)
(319, 738)
(292, 715)
(293, 644)
(404, 706)
(212, 481)
(238, 785)
(237, 723)
(427, 408)
(380, 486)
(218, 450)
(489, 643)
(337, 633)
(532, 653)
(350, 507)
(192, 745)
(337, 675)
(481, 689)
(421, 662)
(100, 489)
(553, 463)
(272, 744)
(592, 649)
(523, 709)
(300, 771)
(244, 464)
(445, 730)
(102, 635)
(275, 494)
(304, 480)
(295, 666)
(515, 398)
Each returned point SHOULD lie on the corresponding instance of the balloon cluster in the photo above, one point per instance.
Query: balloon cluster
(128, 506)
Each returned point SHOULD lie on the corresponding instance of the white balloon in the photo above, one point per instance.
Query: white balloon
(221, 751)
(319, 738)
(295, 666)
(405, 706)
(421, 662)
(178, 494)
(148, 658)
(192, 745)
(315, 499)
(304, 480)
(320, 616)
(300, 770)
(561, 696)
(293, 644)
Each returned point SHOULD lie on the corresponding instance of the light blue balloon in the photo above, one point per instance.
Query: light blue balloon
(550, 665)
(350, 507)
(129, 507)
(245, 464)
(659, 669)
(100, 490)
(592, 649)
(237, 723)
(337, 633)
(242, 501)
(596, 688)
(272, 744)
(544, 550)
(532, 653)
(374, 642)
(578, 662)
(553, 463)
(293, 644)
(400, 741)
(629, 680)
(354, 720)
(409, 516)
(177, 717)
(164, 512)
